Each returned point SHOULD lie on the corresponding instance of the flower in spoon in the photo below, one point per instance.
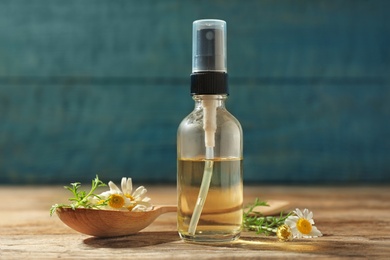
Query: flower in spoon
(116, 212)
(123, 199)
(115, 199)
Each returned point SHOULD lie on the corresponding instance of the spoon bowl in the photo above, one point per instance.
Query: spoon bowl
(110, 223)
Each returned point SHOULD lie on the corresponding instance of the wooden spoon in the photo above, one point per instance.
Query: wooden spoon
(110, 223)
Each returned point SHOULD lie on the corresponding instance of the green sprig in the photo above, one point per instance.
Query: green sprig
(256, 221)
(81, 198)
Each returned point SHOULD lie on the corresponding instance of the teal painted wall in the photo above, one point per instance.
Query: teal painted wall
(99, 87)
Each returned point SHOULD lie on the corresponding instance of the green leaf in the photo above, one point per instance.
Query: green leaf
(255, 221)
(81, 198)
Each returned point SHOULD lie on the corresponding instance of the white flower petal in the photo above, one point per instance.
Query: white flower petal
(309, 215)
(113, 187)
(139, 192)
(123, 185)
(93, 200)
(105, 194)
(291, 221)
(315, 232)
(128, 202)
(126, 185)
(143, 207)
(139, 208)
(129, 186)
(296, 233)
(146, 199)
(305, 213)
(298, 212)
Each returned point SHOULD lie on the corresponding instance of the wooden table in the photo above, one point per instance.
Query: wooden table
(355, 222)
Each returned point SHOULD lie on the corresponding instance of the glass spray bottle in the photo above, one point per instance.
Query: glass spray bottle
(209, 146)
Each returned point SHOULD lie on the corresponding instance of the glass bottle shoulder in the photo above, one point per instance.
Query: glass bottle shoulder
(195, 118)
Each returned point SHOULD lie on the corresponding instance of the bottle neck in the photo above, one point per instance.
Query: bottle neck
(202, 100)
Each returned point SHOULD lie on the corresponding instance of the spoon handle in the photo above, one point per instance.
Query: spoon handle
(167, 208)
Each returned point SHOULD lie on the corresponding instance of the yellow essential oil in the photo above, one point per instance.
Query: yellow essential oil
(221, 217)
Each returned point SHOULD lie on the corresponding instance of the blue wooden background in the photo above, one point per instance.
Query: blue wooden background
(99, 87)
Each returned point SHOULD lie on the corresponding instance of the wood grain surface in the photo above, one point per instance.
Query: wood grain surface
(355, 222)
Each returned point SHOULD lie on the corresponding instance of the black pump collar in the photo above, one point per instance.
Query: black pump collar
(209, 83)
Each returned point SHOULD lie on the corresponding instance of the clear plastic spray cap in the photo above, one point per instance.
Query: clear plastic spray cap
(209, 46)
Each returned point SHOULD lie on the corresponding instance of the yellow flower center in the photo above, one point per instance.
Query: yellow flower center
(304, 226)
(129, 196)
(116, 201)
(130, 208)
(284, 233)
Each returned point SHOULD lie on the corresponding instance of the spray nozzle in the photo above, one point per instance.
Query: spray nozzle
(209, 46)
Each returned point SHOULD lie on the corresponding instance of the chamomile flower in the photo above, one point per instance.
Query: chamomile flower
(125, 198)
(302, 225)
(284, 233)
(112, 199)
(138, 196)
